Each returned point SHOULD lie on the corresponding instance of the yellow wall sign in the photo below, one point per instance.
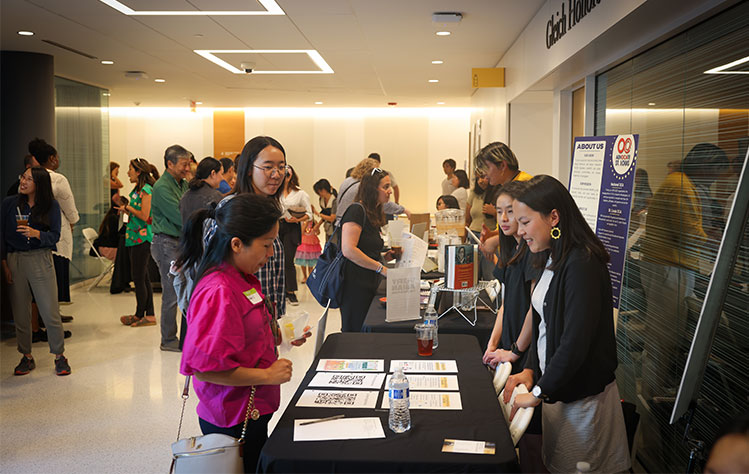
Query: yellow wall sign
(228, 133)
(488, 77)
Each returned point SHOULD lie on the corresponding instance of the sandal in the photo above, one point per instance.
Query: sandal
(128, 320)
(139, 322)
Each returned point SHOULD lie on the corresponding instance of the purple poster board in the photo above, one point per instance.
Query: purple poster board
(601, 182)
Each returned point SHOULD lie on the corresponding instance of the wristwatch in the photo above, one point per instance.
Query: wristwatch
(536, 392)
(514, 349)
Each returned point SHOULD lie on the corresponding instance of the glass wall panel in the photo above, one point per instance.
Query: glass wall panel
(82, 129)
(694, 130)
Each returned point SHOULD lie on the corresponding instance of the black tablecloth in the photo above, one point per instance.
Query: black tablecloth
(451, 323)
(418, 450)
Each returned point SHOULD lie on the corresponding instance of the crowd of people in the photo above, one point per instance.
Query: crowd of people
(227, 236)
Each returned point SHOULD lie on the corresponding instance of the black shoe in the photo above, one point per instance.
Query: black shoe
(25, 366)
(39, 336)
(292, 299)
(66, 334)
(61, 366)
(66, 319)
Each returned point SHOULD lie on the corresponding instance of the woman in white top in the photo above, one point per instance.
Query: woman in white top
(461, 183)
(47, 157)
(296, 209)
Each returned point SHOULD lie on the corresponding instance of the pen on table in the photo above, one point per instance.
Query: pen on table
(330, 418)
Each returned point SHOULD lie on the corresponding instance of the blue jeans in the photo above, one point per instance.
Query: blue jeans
(164, 251)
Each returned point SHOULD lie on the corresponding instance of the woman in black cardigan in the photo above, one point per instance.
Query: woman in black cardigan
(573, 352)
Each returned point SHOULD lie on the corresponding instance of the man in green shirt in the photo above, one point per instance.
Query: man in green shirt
(167, 227)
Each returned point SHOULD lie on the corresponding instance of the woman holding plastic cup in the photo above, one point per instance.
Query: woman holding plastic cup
(27, 246)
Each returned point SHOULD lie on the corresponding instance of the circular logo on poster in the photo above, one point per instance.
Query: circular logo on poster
(623, 155)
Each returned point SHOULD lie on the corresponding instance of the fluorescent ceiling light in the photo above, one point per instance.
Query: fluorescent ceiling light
(159, 80)
(439, 33)
(271, 8)
(209, 54)
(26, 33)
(107, 61)
(440, 103)
(722, 69)
(198, 103)
(318, 103)
(651, 103)
(437, 61)
(434, 80)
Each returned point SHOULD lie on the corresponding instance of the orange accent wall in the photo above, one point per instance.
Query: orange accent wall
(228, 133)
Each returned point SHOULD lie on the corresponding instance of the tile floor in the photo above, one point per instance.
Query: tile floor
(119, 410)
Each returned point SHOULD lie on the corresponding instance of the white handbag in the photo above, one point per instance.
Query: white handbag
(213, 452)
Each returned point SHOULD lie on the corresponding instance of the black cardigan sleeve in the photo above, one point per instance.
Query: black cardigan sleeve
(574, 322)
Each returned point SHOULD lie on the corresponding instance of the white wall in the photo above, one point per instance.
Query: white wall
(613, 30)
(319, 143)
(531, 128)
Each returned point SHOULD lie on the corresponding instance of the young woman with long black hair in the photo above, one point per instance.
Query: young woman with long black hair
(30, 229)
(203, 190)
(138, 238)
(328, 205)
(230, 346)
(572, 359)
(511, 335)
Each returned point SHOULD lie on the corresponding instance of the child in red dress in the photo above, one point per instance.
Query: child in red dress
(309, 249)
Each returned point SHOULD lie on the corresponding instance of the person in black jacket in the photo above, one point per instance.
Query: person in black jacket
(571, 362)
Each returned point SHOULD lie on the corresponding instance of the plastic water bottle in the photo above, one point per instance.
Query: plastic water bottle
(400, 416)
(430, 317)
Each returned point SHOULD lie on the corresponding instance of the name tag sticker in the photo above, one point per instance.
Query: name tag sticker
(252, 295)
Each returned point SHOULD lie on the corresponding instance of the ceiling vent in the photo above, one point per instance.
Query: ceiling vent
(68, 48)
(446, 17)
(136, 75)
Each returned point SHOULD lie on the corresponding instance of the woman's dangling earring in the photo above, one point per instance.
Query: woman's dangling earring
(556, 233)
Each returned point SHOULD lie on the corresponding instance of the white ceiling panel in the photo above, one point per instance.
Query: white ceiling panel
(380, 50)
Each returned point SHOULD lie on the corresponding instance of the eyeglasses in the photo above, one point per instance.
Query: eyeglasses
(376, 170)
(23, 177)
(268, 170)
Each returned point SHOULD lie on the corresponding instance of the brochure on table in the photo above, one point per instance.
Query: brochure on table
(431, 401)
(403, 294)
(347, 380)
(601, 182)
(429, 382)
(425, 366)
(338, 399)
(351, 365)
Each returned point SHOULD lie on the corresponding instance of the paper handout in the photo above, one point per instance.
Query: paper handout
(345, 428)
(338, 399)
(347, 380)
(403, 294)
(429, 382)
(351, 365)
(425, 366)
(431, 401)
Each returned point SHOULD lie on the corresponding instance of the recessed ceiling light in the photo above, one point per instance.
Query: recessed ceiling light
(271, 8)
(440, 103)
(318, 103)
(198, 103)
(437, 61)
(434, 80)
(651, 103)
(159, 80)
(210, 54)
(107, 61)
(26, 33)
(443, 33)
(106, 94)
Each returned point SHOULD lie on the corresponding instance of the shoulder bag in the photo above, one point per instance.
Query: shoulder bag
(214, 452)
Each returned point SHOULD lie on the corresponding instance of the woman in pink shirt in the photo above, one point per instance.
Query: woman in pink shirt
(231, 339)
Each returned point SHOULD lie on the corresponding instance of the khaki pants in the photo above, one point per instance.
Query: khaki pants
(34, 271)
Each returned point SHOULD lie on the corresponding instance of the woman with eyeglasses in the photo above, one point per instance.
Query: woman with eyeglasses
(362, 246)
(296, 209)
(138, 238)
(261, 170)
(29, 231)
